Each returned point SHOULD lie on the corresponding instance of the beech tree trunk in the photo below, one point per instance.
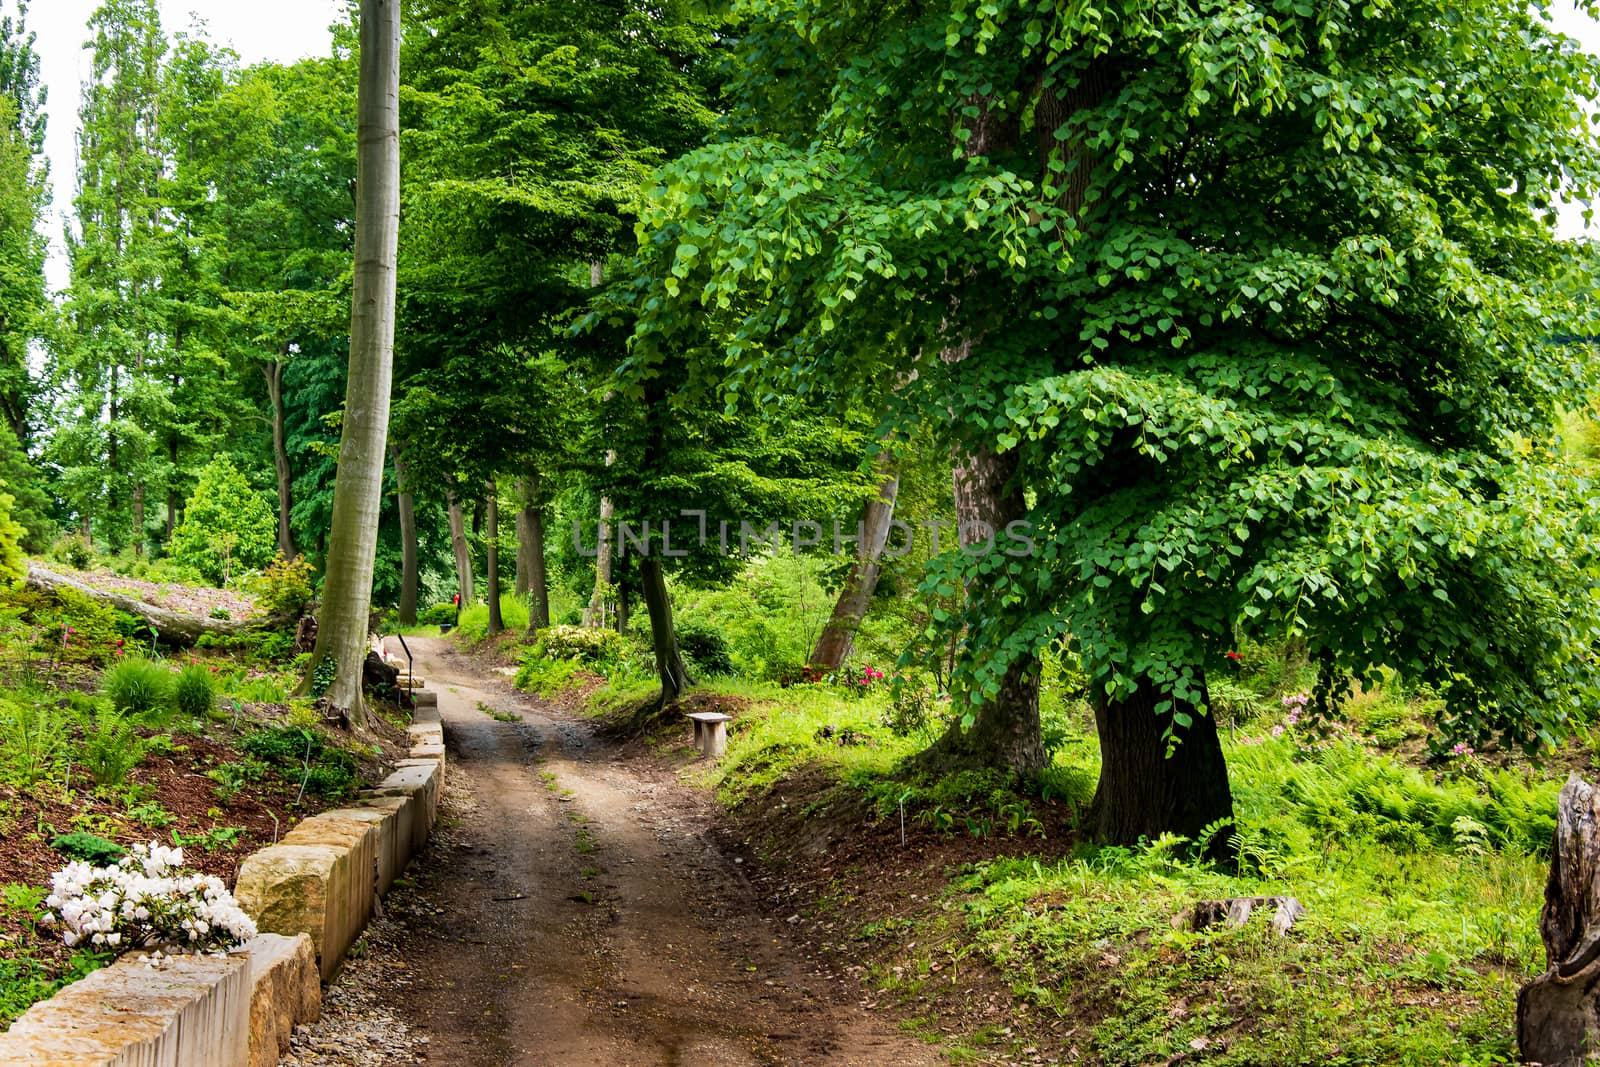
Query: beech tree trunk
(1558, 1013)
(523, 551)
(1144, 790)
(273, 372)
(532, 517)
(358, 489)
(409, 575)
(594, 616)
(663, 635)
(838, 636)
(622, 607)
(491, 556)
(458, 542)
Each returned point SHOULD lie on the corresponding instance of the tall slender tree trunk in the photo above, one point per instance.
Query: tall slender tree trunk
(524, 553)
(622, 607)
(172, 488)
(491, 554)
(465, 586)
(358, 489)
(838, 636)
(538, 581)
(594, 615)
(408, 543)
(663, 635)
(273, 372)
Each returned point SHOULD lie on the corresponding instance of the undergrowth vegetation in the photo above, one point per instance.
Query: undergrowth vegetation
(1421, 871)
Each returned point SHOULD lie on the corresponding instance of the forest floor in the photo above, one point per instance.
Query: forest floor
(578, 907)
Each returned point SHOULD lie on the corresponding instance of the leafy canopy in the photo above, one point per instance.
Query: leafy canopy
(1260, 296)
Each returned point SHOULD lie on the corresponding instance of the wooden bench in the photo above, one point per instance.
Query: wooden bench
(710, 732)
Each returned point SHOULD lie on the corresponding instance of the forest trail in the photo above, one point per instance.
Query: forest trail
(580, 914)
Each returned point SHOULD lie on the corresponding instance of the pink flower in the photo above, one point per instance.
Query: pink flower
(1277, 731)
(1461, 750)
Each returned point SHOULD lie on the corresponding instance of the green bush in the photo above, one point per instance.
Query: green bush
(227, 526)
(91, 848)
(706, 646)
(195, 692)
(139, 687)
(437, 615)
(74, 550)
(68, 626)
(546, 677)
(593, 647)
(111, 747)
(303, 754)
(13, 563)
(284, 588)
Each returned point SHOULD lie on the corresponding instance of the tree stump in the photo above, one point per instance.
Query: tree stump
(1558, 1013)
(1236, 912)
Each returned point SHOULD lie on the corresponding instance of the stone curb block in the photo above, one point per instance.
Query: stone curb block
(286, 991)
(322, 889)
(193, 1012)
(310, 895)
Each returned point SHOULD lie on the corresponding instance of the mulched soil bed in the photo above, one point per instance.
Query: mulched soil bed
(261, 812)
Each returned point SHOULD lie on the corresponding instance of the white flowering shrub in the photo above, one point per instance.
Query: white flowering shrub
(145, 900)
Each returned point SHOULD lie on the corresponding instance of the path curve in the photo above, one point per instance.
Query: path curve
(579, 914)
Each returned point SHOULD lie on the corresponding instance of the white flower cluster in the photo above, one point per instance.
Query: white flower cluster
(146, 900)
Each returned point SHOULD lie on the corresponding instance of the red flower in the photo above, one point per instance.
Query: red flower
(1233, 656)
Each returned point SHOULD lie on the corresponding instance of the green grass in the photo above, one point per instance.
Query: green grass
(1422, 889)
(474, 625)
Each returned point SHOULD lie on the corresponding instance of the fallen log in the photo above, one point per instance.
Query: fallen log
(1558, 1013)
(173, 627)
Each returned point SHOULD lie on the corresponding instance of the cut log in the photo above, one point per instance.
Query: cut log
(1236, 912)
(174, 627)
(1558, 1013)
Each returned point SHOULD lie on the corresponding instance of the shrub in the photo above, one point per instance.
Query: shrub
(226, 526)
(139, 687)
(195, 692)
(304, 754)
(69, 626)
(91, 848)
(546, 677)
(594, 647)
(13, 564)
(146, 899)
(111, 747)
(706, 646)
(284, 588)
(74, 550)
(437, 615)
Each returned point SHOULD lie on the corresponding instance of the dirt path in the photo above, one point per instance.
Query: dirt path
(578, 914)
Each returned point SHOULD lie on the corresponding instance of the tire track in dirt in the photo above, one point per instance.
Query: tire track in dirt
(579, 914)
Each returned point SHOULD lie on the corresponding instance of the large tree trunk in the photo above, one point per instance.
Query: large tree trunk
(1149, 787)
(273, 372)
(409, 575)
(1005, 732)
(1558, 1013)
(465, 586)
(837, 638)
(358, 490)
(532, 516)
(491, 554)
(173, 627)
(663, 635)
(595, 614)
